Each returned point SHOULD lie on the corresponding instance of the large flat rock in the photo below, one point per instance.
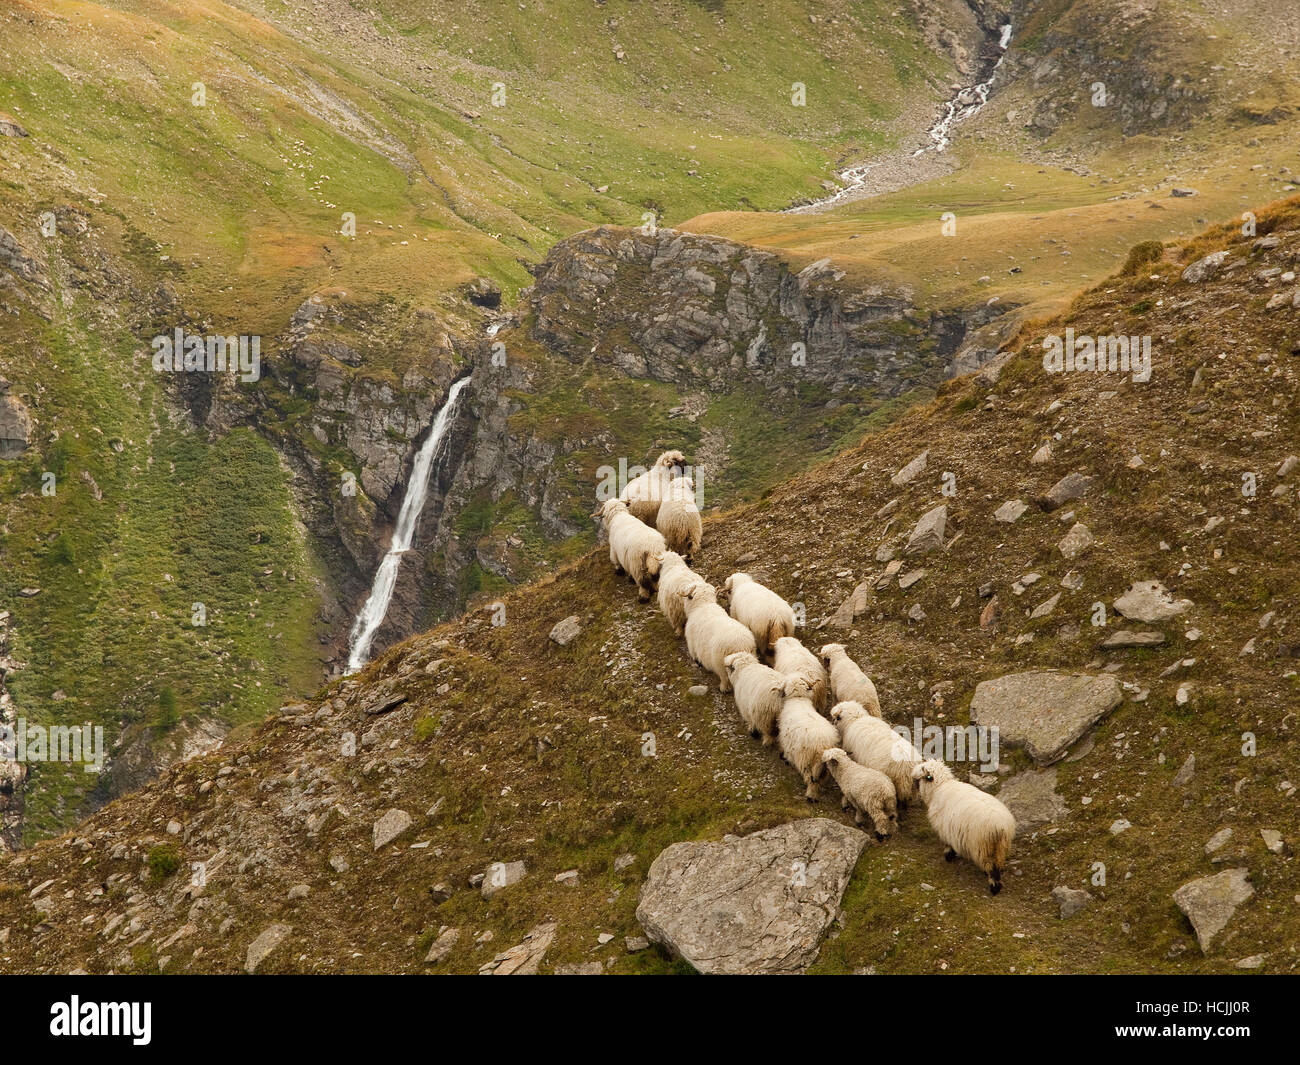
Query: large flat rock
(1044, 712)
(1211, 901)
(757, 904)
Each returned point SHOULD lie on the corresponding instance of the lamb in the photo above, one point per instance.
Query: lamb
(804, 734)
(768, 616)
(795, 660)
(759, 692)
(643, 494)
(872, 743)
(675, 576)
(679, 518)
(634, 547)
(711, 634)
(970, 822)
(848, 682)
(867, 790)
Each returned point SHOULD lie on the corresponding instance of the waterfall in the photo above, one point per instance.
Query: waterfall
(381, 592)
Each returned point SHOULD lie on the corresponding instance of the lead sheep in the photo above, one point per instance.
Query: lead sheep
(767, 615)
(711, 634)
(867, 791)
(804, 735)
(679, 518)
(970, 822)
(759, 692)
(795, 660)
(644, 494)
(675, 577)
(634, 547)
(872, 743)
(848, 682)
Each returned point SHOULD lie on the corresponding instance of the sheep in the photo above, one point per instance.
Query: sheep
(873, 743)
(804, 735)
(795, 660)
(634, 547)
(759, 692)
(679, 518)
(848, 682)
(768, 616)
(970, 822)
(675, 576)
(643, 494)
(868, 791)
(710, 634)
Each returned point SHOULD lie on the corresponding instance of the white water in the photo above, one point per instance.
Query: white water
(381, 592)
(966, 103)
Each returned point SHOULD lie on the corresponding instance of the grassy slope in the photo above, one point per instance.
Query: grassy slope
(534, 752)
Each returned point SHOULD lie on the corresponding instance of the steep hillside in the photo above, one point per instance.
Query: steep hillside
(495, 744)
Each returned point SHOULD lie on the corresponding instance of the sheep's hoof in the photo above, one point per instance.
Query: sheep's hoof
(754, 734)
(950, 855)
(844, 804)
(994, 888)
(880, 837)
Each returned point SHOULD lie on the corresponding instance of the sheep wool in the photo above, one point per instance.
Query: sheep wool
(645, 493)
(711, 634)
(767, 615)
(759, 693)
(873, 743)
(675, 577)
(970, 822)
(868, 791)
(804, 735)
(795, 660)
(679, 518)
(634, 547)
(848, 682)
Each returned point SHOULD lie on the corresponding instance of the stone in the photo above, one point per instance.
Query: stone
(1010, 511)
(1205, 268)
(1184, 775)
(1255, 961)
(1071, 900)
(9, 126)
(1042, 455)
(991, 614)
(1125, 638)
(887, 576)
(581, 968)
(929, 532)
(698, 690)
(1068, 488)
(1273, 840)
(501, 875)
(1076, 541)
(1120, 825)
(261, 947)
(754, 904)
(389, 826)
(1150, 601)
(523, 958)
(1046, 712)
(386, 703)
(1211, 901)
(636, 944)
(852, 607)
(569, 878)
(1032, 798)
(1179, 193)
(566, 631)
(299, 891)
(908, 579)
(623, 861)
(1046, 607)
(441, 947)
(909, 472)
(1218, 840)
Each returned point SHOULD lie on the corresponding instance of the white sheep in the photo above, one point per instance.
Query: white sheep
(768, 616)
(795, 660)
(868, 791)
(634, 547)
(759, 692)
(645, 493)
(675, 576)
(848, 682)
(970, 822)
(679, 518)
(804, 735)
(872, 743)
(711, 634)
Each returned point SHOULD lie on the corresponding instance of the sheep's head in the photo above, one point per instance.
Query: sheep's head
(835, 757)
(929, 774)
(736, 580)
(697, 593)
(654, 563)
(738, 660)
(608, 509)
(671, 460)
(843, 713)
(796, 688)
(671, 560)
(829, 652)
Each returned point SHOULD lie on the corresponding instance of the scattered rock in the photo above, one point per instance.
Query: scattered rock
(1046, 607)
(523, 958)
(1071, 900)
(1218, 840)
(501, 875)
(1069, 487)
(258, 950)
(1273, 840)
(1044, 711)
(1076, 541)
(581, 968)
(1125, 638)
(566, 631)
(909, 472)
(852, 607)
(1184, 775)
(1150, 601)
(386, 703)
(1204, 269)
(636, 944)
(1032, 798)
(442, 947)
(1010, 511)
(1121, 825)
(1255, 961)
(389, 826)
(757, 904)
(698, 690)
(929, 532)
(1211, 901)
(991, 614)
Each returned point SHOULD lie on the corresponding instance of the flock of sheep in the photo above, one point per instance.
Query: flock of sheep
(822, 711)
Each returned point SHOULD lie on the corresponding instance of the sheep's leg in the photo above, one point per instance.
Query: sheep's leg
(949, 855)
(813, 792)
(724, 682)
(995, 879)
